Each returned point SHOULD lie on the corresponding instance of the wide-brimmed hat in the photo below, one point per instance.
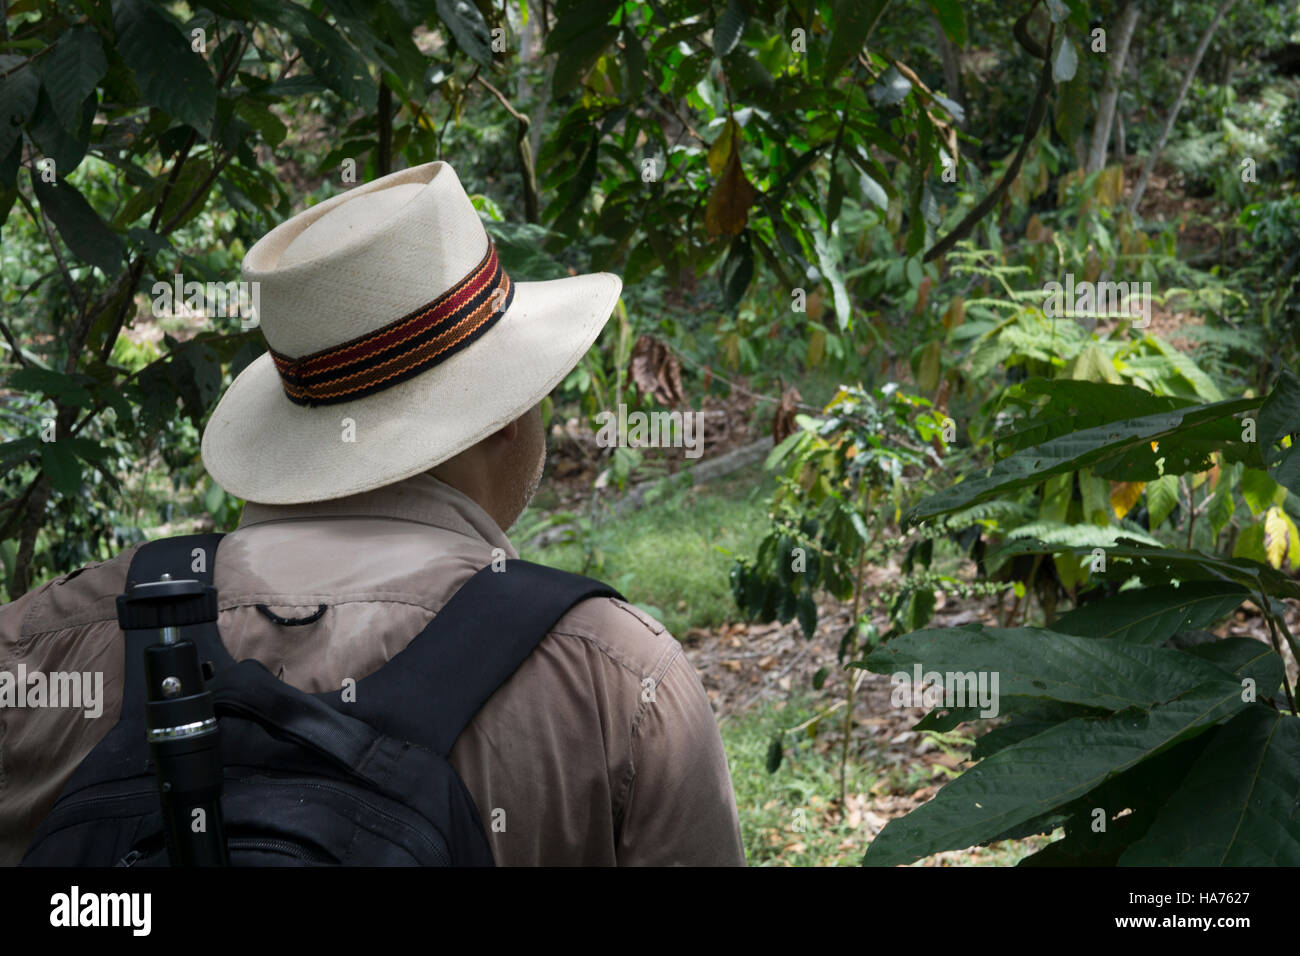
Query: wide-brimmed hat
(396, 340)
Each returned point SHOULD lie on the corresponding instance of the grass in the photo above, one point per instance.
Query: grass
(668, 556)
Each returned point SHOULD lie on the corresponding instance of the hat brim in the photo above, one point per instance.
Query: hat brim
(262, 447)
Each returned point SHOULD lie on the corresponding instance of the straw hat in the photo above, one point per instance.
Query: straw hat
(396, 341)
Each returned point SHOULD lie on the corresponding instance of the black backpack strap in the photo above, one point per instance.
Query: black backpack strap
(429, 692)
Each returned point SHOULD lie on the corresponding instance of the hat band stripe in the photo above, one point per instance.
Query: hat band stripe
(402, 349)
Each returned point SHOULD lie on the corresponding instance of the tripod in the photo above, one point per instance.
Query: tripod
(183, 734)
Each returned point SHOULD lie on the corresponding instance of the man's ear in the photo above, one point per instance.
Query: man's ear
(508, 431)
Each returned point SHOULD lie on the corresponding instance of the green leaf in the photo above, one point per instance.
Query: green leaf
(634, 53)
(79, 225)
(1287, 471)
(576, 59)
(468, 28)
(1152, 615)
(774, 753)
(851, 28)
(730, 26)
(1116, 450)
(1201, 383)
(70, 72)
(828, 261)
(171, 76)
(1065, 62)
(63, 388)
(1057, 766)
(1258, 490)
(819, 679)
(19, 450)
(259, 116)
(891, 88)
(18, 94)
(1162, 564)
(1162, 499)
(1037, 663)
(1278, 416)
(1237, 806)
(577, 21)
(737, 271)
(66, 148)
(1244, 657)
(807, 613)
(62, 466)
(1223, 504)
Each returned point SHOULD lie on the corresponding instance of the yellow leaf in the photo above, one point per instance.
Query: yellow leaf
(720, 151)
(816, 347)
(1124, 495)
(1277, 536)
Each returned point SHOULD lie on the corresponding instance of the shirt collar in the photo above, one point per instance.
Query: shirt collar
(421, 498)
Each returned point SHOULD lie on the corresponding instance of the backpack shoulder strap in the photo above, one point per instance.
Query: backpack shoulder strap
(430, 691)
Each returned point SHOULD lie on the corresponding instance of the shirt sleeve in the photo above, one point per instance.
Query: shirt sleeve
(680, 808)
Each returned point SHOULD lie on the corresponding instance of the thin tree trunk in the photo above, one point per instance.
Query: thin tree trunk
(1140, 186)
(1116, 59)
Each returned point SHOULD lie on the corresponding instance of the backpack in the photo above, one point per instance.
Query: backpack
(312, 779)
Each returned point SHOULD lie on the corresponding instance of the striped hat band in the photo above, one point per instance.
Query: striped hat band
(402, 349)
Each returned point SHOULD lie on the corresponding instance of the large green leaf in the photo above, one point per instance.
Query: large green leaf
(1237, 806)
(70, 71)
(1057, 766)
(171, 76)
(728, 29)
(80, 226)
(1032, 662)
(1073, 404)
(61, 466)
(1245, 657)
(1159, 565)
(1118, 450)
(1152, 615)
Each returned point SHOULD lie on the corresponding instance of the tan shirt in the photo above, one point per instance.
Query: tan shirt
(579, 764)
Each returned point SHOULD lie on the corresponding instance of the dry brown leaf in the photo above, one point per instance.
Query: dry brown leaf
(783, 423)
(728, 208)
(656, 371)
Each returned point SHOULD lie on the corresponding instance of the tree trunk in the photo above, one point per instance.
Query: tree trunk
(1128, 19)
(1140, 186)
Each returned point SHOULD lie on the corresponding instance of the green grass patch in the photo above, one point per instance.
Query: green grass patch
(665, 555)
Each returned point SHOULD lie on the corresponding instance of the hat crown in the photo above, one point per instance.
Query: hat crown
(363, 259)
